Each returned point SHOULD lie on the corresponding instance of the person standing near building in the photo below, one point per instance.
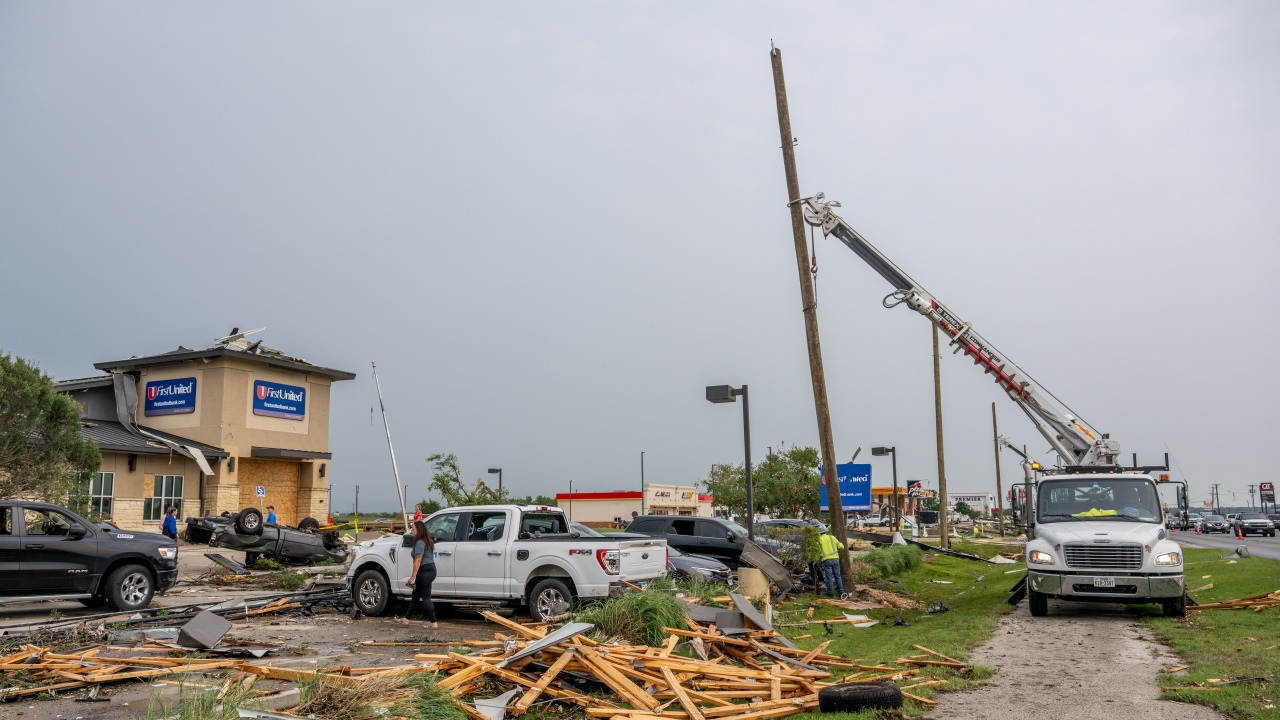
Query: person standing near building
(169, 526)
(423, 574)
(831, 549)
(271, 514)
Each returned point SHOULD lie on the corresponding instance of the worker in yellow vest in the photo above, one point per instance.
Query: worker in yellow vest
(831, 549)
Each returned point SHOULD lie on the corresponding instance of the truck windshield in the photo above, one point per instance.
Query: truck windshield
(1098, 499)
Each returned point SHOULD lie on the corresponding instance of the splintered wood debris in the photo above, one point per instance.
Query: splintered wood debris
(1256, 603)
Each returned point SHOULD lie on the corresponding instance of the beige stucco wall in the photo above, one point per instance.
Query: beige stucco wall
(599, 511)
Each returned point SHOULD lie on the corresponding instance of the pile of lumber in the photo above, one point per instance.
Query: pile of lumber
(41, 670)
(1256, 603)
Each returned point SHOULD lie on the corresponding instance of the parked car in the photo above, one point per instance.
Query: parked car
(1275, 520)
(514, 555)
(48, 552)
(1213, 523)
(590, 532)
(1254, 523)
(247, 532)
(702, 567)
(869, 519)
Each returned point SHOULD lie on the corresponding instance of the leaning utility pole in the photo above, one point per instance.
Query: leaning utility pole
(809, 305)
(995, 439)
(942, 462)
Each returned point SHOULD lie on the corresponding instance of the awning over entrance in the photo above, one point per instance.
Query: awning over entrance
(286, 454)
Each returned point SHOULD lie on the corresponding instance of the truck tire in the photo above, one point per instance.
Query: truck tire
(371, 593)
(1037, 603)
(129, 587)
(550, 598)
(309, 525)
(1176, 607)
(859, 696)
(249, 521)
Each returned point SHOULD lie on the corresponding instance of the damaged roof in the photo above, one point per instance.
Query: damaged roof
(111, 436)
(256, 352)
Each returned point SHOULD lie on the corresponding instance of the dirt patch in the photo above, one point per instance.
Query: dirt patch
(1084, 661)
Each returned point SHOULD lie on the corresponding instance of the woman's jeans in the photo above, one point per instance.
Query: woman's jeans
(422, 592)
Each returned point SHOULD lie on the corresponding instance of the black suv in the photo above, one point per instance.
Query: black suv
(48, 552)
(695, 535)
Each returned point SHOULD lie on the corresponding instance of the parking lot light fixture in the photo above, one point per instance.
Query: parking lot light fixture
(498, 471)
(728, 394)
(893, 453)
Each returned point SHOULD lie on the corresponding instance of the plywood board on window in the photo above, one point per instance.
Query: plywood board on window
(280, 478)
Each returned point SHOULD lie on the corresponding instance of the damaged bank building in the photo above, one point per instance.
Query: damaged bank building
(230, 426)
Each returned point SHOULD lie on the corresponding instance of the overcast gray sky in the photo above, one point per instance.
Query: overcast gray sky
(552, 224)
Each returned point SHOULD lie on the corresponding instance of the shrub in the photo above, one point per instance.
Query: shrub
(267, 564)
(863, 573)
(636, 617)
(890, 560)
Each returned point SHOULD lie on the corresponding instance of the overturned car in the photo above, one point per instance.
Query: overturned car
(248, 532)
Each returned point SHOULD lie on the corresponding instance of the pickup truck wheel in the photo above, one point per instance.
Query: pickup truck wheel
(550, 598)
(371, 593)
(1177, 607)
(1037, 603)
(309, 525)
(129, 588)
(249, 521)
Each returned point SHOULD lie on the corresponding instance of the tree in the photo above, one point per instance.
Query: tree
(787, 482)
(534, 500)
(42, 453)
(964, 509)
(446, 480)
(728, 485)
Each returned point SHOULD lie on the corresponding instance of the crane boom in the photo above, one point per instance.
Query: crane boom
(1070, 437)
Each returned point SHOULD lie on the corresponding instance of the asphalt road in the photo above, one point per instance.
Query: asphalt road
(1259, 546)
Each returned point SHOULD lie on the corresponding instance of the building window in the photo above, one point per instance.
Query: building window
(166, 493)
(98, 493)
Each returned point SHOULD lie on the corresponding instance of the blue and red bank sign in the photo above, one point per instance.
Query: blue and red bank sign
(170, 397)
(278, 400)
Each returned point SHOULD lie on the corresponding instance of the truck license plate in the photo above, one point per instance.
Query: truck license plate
(1104, 582)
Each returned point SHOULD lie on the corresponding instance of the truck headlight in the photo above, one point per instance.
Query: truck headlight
(1172, 558)
(1040, 558)
(168, 553)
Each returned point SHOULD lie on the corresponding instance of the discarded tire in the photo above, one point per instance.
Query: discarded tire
(309, 525)
(859, 696)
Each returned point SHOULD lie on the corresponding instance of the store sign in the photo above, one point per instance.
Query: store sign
(913, 488)
(686, 495)
(277, 400)
(170, 397)
(1268, 492)
(855, 487)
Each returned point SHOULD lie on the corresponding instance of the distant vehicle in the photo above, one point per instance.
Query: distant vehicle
(48, 552)
(247, 532)
(1275, 520)
(1231, 518)
(1255, 523)
(702, 567)
(1214, 523)
(513, 555)
(717, 537)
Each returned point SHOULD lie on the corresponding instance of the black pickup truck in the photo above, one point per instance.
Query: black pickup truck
(48, 552)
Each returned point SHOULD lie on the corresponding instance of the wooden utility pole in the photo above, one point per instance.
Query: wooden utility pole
(809, 305)
(943, 525)
(995, 439)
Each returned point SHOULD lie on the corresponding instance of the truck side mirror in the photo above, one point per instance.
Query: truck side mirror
(407, 541)
(731, 536)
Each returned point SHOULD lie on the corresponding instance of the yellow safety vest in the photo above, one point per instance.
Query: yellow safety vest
(830, 547)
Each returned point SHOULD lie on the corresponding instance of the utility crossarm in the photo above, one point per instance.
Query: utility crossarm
(1070, 436)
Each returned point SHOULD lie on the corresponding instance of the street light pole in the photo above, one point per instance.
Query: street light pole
(728, 393)
(641, 482)
(897, 512)
(499, 472)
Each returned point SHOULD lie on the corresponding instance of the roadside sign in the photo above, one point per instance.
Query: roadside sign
(260, 491)
(855, 487)
(1268, 492)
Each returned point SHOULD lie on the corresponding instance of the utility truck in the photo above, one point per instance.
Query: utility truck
(512, 555)
(1096, 529)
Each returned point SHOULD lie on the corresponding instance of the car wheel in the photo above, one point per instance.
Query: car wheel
(93, 602)
(249, 521)
(550, 598)
(1176, 607)
(371, 593)
(129, 588)
(309, 525)
(859, 696)
(1037, 603)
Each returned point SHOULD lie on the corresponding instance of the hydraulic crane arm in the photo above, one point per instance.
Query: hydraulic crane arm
(1069, 436)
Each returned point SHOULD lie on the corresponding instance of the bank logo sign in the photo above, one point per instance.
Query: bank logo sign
(277, 400)
(170, 397)
(855, 487)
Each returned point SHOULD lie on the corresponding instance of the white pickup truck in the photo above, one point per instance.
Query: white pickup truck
(516, 555)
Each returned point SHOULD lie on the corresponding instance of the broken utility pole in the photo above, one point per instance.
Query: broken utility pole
(995, 438)
(809, 305)
(943, 524)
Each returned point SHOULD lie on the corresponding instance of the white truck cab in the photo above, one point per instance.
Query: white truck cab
(1100, 537)
(513, 555)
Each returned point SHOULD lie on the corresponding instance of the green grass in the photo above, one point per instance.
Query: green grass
(637, 617)
(1225, 644)
(975, 594)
